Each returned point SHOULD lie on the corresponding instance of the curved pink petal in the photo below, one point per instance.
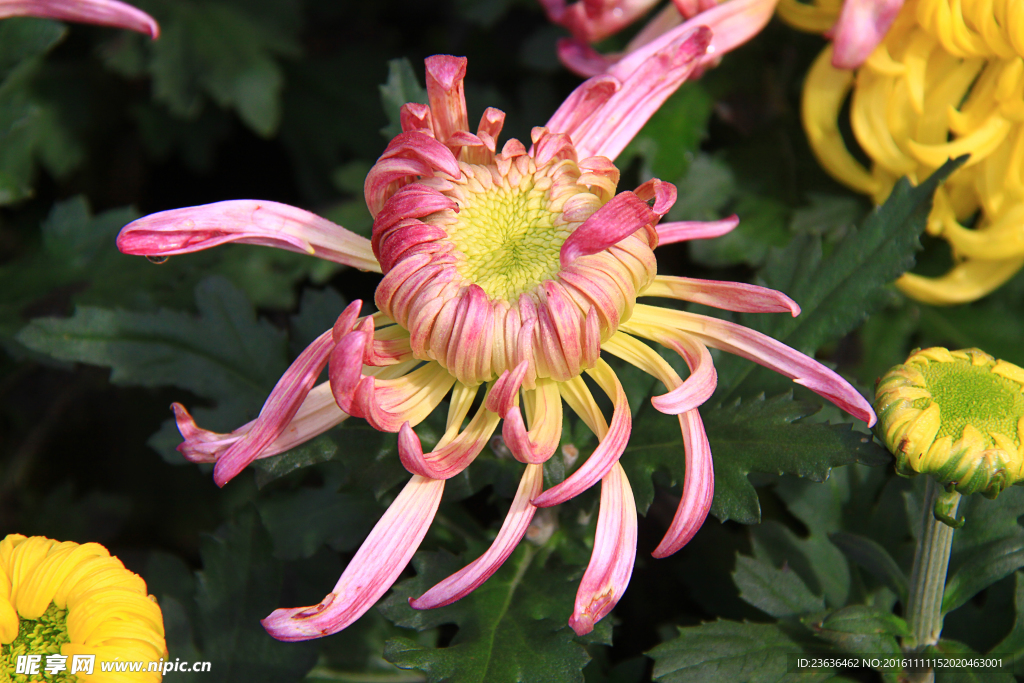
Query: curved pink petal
(517, 521)
(182, 231)
(644, 88)
(862, 25)
(607, 453)
(279, 410)
(761, 349)
(102, 12)
(583, 60)
(615, 221)
(732, 24)
(695, 389)
(729, 296)
(698, 487)
(681, 231)
(375, 567)
(444, 462)
(611, 563)
(318, 413)
(445, 93)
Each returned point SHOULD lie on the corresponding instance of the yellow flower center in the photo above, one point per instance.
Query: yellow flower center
(971, 395)
(508, 237)
(42, 636)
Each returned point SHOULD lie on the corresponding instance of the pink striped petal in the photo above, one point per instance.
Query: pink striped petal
(581, 103)
(612, 223)
(732, 24)
(375, 567)
(182, 231)
(729, 296)
(681, 231)
(583, 60)
(691, 8)
(446, 96)
(644, 88)
(607, 453)
(761, 349)
(466, 580)
(444, 462)
(611, 563)
(594, 20)
(102, 12)
(862, 25)
(539, 443)
(698, 387)
(658, 194)
(415, 116)
(282, 405)
(318, 413)
(698, 487)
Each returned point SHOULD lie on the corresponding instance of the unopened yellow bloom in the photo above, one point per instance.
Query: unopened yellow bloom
(71, 599)
(957, 415)
(947, 80)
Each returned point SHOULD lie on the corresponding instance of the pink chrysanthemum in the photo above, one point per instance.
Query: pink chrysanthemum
(506, 273)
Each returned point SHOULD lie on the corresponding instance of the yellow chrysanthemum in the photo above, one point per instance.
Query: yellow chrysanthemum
(71, 599)
(957, 415)
(946, 80)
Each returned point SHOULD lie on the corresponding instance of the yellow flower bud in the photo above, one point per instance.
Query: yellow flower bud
(956, 415)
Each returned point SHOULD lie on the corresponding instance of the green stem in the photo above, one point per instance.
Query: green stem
(928, 579)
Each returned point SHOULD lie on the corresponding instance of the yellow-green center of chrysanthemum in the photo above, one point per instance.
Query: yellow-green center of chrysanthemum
(42, 636)
(970, 394)
(509, 238)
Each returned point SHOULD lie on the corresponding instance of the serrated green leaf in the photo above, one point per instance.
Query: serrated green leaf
(860, 630)
(874, 558)
(765, 436)
(512, 628)
(224, 353)
(777, 592)
(220, 51)
(838, 291)
(301, 521)
(401, 87)
(238, 586)
(728, 651)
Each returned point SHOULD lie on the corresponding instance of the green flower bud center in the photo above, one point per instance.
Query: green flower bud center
(971, 395)
(42, 636)
(509, 239)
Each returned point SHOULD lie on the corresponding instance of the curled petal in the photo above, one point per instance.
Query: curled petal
(279, 410)
(545, 411)
(445, 93)
(681, 231)
(581, 103)
(861, 27)
(466, 580)
(760, 348)
(698, 487)
(730, 296)
(583, 60)
(618, 219)
(451, 457)
(611, 563)
(102, 12)
(182, 231)
(375, 567)
(613, 440)
(658, 194)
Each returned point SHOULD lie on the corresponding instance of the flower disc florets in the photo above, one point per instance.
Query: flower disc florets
(957, 415)
(489, 275)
